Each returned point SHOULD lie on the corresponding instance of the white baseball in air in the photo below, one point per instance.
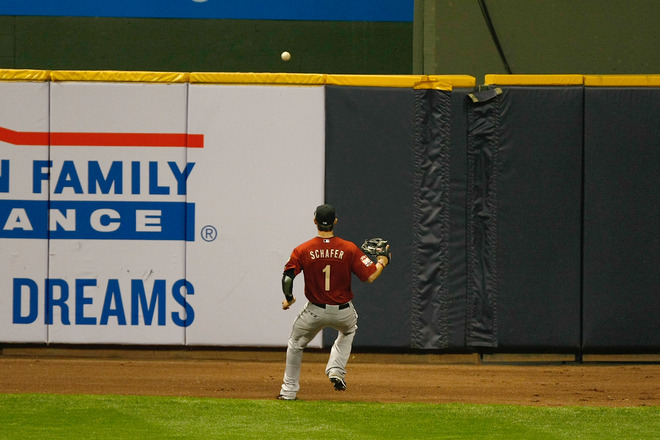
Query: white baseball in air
(286, 56)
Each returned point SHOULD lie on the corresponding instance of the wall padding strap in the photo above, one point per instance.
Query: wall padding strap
(483, 161)
(457, 276)
(431, 220)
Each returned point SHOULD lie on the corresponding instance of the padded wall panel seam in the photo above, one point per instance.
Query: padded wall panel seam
(431, 220)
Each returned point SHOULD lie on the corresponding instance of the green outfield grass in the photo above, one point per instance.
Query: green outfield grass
(42, 416)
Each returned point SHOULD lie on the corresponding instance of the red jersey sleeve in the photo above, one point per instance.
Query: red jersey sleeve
(293, 263)
(363, 267)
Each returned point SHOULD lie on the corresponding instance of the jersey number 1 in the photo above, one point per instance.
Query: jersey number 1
(326, 271)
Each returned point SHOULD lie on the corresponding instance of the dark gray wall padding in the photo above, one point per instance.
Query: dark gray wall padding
(524, 218)
(539, 221)
(520, 220)
(430, 289)
(622, 219)
(370, 134)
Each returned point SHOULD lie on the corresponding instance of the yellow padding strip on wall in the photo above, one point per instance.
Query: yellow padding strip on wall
(119, 76)
(622, 80)
(432, 83)
(441, 82)
(24, 75)
(458, 81)
(257, 78)
(374, 80)
(534, 80)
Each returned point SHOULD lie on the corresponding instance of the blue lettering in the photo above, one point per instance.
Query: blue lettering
(57, 296)
(181, 176)
(113, 294)
(4, 176)
(97, 220)
(68, 179)
(97, 180)
(135, 177)
(39, 175)
(139, 300)
(51, 302)
(33, 291)
(153, 180)
(95, 177)
(82, 300)
(181, 298)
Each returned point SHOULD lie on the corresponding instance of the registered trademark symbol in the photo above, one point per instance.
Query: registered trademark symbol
(209, 233)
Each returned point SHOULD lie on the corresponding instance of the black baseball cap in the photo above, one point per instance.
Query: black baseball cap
(325, 215)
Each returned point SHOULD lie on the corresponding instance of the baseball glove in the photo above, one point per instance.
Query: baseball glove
(377, 247)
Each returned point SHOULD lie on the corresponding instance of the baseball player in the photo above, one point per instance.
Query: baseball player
(327, 262)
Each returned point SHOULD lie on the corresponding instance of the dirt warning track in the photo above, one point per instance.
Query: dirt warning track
(370, 378)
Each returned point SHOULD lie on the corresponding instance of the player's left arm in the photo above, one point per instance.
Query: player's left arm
(380, 248)
(380, 265)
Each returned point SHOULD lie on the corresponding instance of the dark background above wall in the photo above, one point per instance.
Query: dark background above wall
(195, 45)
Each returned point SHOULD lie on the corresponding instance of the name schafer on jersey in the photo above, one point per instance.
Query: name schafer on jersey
(326, 253)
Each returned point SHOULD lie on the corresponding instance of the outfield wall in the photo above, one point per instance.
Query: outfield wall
(577, 209)
(159, 208)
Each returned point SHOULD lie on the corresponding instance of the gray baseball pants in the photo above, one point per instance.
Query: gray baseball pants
(311, 320)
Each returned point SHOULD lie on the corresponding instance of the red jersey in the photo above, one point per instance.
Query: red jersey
(327, 264)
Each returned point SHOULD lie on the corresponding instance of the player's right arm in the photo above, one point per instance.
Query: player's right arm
(291, 269)
(287, 283)
(287, 288)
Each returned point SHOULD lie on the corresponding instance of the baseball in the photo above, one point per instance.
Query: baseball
(286, 56)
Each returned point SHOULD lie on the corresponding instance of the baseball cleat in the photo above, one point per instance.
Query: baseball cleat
(281, 397)
(339, 383)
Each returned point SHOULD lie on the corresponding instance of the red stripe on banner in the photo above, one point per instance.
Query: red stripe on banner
(102, 139)
(23, 137)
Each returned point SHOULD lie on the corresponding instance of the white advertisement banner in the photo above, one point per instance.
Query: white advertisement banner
(154, 213)
(117, 213)
(258, 180)
(23, 211)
